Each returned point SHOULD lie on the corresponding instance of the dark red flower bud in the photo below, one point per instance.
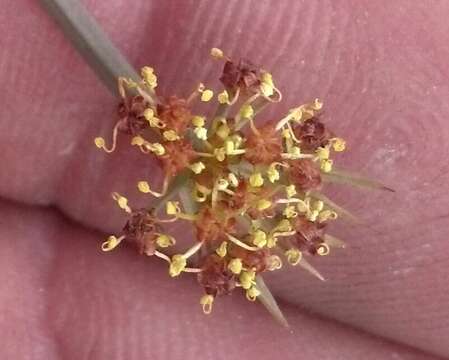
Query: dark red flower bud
(175, 114)
(215, 276)
(244, 75)
(213, 224)
(265, 147)
(130, 111)
(309, 235)
(140, 230)
(312, 134)
(305, 174)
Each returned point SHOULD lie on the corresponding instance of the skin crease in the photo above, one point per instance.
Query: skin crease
(380, 68)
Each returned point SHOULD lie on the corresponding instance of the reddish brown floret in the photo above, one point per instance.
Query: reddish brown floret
(312, 134)
(305, 174)
(213, 224)
(256, 260)
(265, 147)
(309, 235)
(130, 111)
(178, 156)
(141, 230)
(215, 276)
(244, 75)
(175, 113)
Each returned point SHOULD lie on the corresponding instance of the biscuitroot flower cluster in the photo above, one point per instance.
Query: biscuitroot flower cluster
(249, 188)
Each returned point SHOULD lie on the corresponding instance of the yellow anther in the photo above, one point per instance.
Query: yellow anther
(144, 187)
(222, 184)
(122, 201)
(290, 212)
(252, 293)
(207, 302)
(263, 204)
(312, 215)
(229, 146)
(201, 133)
(246, 111)
(294, 152)
(271, 242)
(286, 134)
(197, 167)
(148, 114)
(323, 249)
(237, 140)
(220, 154)
(274, 263)
(165, 240)
(206, 95)
(172, 207)
(293, 256)
(149, 76)
(317, 105)
(156, 123)
(137, 140)
(216, 53)
(323, 153)
(318, 205)
(303, 206)
(235, 266)
(223, 97)
(111, 243)
(296, 113)
(99, 142)
(259, 238)
(198, 121)
(290, 190)
(156, 148)
(177, 265)
(233, 181)
(256, 180)
(326, 165)
(326, 215)
(338, 144)
(272, 173)
(284, 226)
(223, 131)
(267, 85)
(222, 250)
(246, 279)
(170, 135)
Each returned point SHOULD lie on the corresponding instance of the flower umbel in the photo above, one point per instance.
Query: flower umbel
(252, 186)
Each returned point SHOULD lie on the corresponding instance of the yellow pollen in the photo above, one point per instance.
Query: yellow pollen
(177, 265)
(197, 167)
(165, 240)
(290, 190)
(144, 187)
(170, 135)
(246, 111)
(148, 114)
(323, 153)
(223, 131)
(272, 173)
(252, 293)
(220, 154)
(263, 204)
(216, 53)
(206, 95)
(172, 207)
(207, 301)
(235, 266)
(326, 165)
(198, 121)
(137, 140)
(111, 243)
(327, 215)
(293, 256)
(122, 201)
(223, 97)
(318, 205)
(259, 238)
(290, 212)
(274, 263)
(149, 76)
(338, 144)
(222, 250)
(246, 279)
(201, 133)
(99, 142)
(323, 249)
(256, 180)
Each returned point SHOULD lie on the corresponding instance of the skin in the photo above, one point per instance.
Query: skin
(381, 68)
